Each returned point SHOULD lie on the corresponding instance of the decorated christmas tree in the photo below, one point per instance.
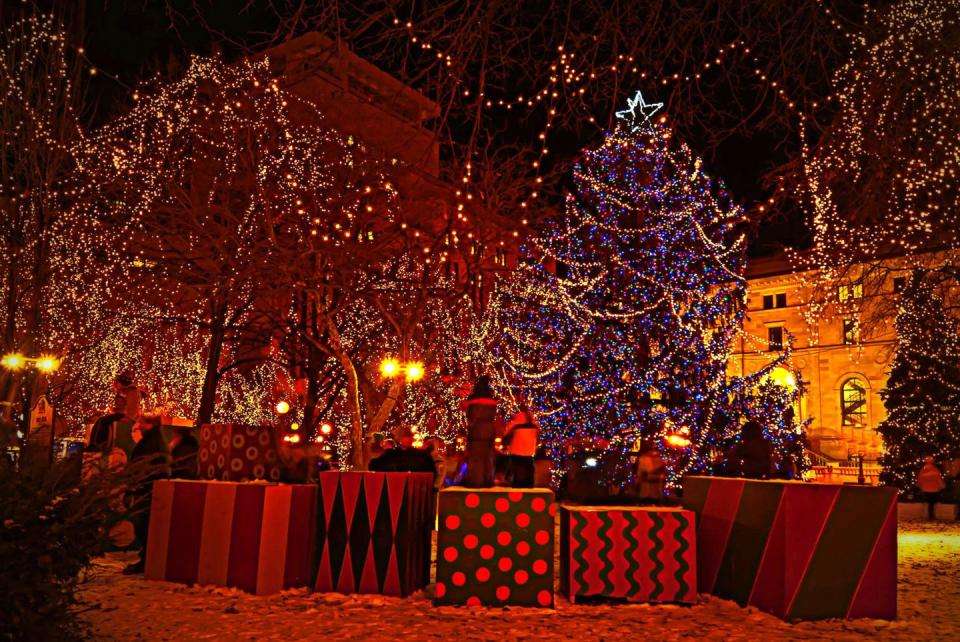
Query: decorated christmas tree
(922, 396)
(622, 316)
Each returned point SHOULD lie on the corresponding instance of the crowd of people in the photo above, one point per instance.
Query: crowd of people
(496, 453)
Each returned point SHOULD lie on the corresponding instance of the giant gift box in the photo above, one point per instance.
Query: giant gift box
(495, 547)
(256, 537)
(640, 554)
(374, 532)
(800, 551)
(237, 452)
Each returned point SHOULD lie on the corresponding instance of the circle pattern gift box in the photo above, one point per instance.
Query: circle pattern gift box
(495, 547)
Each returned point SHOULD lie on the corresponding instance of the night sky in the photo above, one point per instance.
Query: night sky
(130, 41)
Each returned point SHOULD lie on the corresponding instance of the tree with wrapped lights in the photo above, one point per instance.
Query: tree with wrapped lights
(922, 395)
(879, 185)
(624, 312)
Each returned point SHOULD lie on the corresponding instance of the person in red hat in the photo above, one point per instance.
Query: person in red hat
(481, 409)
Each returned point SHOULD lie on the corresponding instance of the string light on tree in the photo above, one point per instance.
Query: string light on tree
(623, 314)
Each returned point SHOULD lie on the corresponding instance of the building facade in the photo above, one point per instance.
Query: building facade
(841, 370)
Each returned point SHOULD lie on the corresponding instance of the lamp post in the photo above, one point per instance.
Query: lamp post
(45, 364)
(413, 370)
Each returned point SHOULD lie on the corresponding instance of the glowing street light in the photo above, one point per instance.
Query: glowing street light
(44, 363)
(389, 367)
(14, 361)
(326, 428)
(282, 407)
(414, 370)
(47, 364)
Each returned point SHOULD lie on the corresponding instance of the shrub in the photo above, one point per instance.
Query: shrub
(51, 528)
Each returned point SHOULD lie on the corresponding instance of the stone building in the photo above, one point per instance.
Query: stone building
(840, 371)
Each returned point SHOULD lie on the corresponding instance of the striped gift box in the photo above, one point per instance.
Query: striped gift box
(633, 553)
(374, 532)
(800, 551)
(256, 537)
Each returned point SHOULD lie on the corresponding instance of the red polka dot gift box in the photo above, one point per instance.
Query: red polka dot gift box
(634, 553)
(495, 547)
(237, 452)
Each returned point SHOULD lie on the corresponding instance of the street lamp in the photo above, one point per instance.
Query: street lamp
(282, 407)
(46, 364)
(13, 361)
(413, 370)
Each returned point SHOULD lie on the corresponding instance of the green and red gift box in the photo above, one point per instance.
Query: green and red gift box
(633, 553)
(798, 550)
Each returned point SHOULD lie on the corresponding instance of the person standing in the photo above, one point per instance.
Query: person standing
(752, 457)
(521, 441)
(651, 475)
(404, 458)
(152, 453)
(481, 409)
(437, 451)
(183, 453)
(126, 406)
(931, 484)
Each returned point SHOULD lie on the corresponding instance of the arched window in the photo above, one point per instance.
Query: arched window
(853, 403)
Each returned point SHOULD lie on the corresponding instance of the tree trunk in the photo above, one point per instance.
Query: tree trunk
(357, 454)
(383, 412)
(211, 377)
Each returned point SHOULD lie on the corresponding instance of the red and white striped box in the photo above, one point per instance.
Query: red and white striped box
(253, 536)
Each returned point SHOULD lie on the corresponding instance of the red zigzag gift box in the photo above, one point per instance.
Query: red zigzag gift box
(800, 551)
(256, 537)
(236, 452)
(640, 554)
(495, 547)
(374, 532)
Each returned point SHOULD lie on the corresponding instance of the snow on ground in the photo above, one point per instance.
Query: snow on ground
(131, 608)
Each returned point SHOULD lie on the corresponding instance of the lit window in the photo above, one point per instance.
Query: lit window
(851, 331)
(853, 403)
(850, 291)
(775, 338)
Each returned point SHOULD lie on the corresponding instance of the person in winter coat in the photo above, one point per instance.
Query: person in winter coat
(151, 449)
(437, 450)
(183, 453)
(126, 406)
(520, 439)
(931, 484)
(481, 410)
(752, 457)
(651, 475)
(404, 458)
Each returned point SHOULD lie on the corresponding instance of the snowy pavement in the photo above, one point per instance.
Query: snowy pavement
(131, 608)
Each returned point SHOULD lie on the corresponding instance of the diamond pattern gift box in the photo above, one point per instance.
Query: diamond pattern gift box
(639, 554)
(798, 550)
(374, 532)
(237, 452)
(495, 547)
(254, 536)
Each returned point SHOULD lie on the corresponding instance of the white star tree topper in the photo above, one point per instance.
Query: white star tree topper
(638, 112)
